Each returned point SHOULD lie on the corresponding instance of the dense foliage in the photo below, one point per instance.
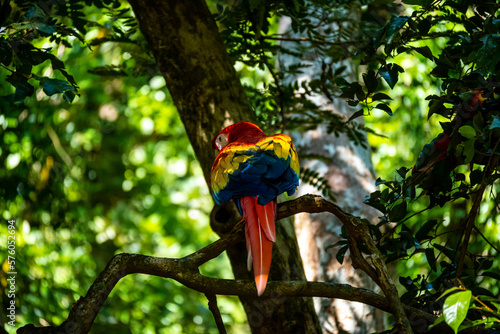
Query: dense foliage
(94, 162)
(440, 216)
(111, 172)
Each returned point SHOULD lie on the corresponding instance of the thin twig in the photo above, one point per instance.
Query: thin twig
(485, 239)
(469, 224)
(212, 306)
(303, 39)
(8, 69)
(471, 218)
(57, 145)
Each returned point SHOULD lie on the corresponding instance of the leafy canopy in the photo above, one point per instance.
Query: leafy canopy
(94, 165)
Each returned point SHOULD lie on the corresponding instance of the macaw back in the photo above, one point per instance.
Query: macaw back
(254, 169)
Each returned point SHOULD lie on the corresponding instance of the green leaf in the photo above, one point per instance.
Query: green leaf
(23, 88)
(426, 52)
(375, 202)
(339, 70)
(370, 80)
(45, 28)
(380, 96)
(402, 171)
(69, 95)
(390, 73)
(469, 324)
(489, 54)
(423, 232)
(478, 122)
(54, 86)
(423, 3)
(440, 71)
(38, 57)
(423, 28)
(396, 23)
(398, 212)
(431, 258)
(22, 25)
(357, 114)
(341, 253)
(455, 309)
(449, 252)
(447, 292)
(341, 242)
(492, 274)
(385, 108)
(467, 131)
(469, 150)
(475, 177)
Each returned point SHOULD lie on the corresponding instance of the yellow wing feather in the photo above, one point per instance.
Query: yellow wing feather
(281, 145)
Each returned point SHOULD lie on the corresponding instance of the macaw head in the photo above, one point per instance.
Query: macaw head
(243, 132)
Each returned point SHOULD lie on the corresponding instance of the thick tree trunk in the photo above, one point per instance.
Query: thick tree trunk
(351, 177)
(206, 90)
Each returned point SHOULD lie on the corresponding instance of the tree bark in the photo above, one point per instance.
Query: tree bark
(351, 177)
(206, 90)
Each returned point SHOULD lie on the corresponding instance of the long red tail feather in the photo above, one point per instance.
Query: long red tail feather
(260, 234)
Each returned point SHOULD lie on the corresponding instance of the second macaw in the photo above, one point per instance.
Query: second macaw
(253, 169)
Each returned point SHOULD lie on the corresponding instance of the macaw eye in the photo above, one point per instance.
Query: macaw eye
(221, 141)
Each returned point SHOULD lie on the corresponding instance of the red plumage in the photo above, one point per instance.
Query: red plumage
(242, 132)
(253, 169)
(260, 234)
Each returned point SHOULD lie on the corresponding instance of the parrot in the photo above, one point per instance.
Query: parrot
(438, 149)
(253, 169)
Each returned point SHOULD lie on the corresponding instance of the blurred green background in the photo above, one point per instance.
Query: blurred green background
(111, 172)
(114, 172)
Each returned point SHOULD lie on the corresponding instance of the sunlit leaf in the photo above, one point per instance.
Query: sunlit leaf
(467, 131)
(469, 150)
(455, 308)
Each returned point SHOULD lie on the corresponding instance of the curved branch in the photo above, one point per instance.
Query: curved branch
(85, 310)
(358, 234)
(185, 270)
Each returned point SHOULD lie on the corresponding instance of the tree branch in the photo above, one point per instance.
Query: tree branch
(185, 270)
(358, 234)
(471, 218)
(85, 310)
(315, 41)
(212, 306)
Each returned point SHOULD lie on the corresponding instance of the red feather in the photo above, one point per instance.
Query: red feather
(260, 234)
(251, 168)
(242, 132)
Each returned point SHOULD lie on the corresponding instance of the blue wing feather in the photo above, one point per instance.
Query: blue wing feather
(264, 175)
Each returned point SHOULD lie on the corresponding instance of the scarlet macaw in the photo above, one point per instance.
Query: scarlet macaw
(438, 149)
(253, 169)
